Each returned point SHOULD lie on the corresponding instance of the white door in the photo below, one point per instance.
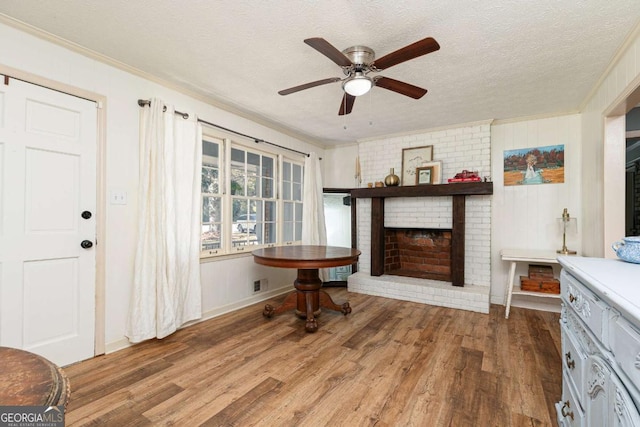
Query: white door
(47, 181)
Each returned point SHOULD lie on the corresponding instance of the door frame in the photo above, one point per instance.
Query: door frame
(614, 164)
(101, 111)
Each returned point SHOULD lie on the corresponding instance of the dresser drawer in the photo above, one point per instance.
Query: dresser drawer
(585, 304)
(572, 357)
(625, 346)
(569, 411)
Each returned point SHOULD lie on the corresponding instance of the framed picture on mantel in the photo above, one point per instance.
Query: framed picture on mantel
(413, 158)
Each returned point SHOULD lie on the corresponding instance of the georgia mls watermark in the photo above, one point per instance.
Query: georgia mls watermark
(32, 416)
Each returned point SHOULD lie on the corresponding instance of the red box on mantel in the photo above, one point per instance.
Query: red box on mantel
(478, 179)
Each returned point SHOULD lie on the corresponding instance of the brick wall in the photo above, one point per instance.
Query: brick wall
(418, 253)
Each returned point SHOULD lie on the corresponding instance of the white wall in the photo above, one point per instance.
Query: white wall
(226, 283)
(605, 224)
(525, 216)
(338, 165)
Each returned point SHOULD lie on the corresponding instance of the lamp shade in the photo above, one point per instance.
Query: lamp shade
(357, 85)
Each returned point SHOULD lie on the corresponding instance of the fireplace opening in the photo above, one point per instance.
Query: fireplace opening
(419, 253)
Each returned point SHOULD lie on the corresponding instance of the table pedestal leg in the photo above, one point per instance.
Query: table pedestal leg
(307, 300)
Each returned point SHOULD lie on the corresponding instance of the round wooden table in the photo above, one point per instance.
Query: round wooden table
(308, 298)
(27, 379)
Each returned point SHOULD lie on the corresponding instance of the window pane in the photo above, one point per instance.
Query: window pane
(298, 211)
(267, 188)
(270, 232)
(210, 179)
(237, 156)
(286, 191)
(237, 182)
(210, 149)
(286, 171)
(252, 183)
(288, 232)
(297, 173)
(288, 211)
(267, 167)
(298, 230)
(237, 172)
(253, 160)
(239, 208)
(211, 209)
(210, 237)
(297, 191)
(270, 211)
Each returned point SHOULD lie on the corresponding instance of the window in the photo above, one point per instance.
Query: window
(240, 203)
(253, 198)
(211, 242)
(292, 197)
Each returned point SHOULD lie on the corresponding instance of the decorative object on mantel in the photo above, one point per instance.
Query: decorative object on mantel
(628, 249)
(567, 223)
(379, 184)
(466, 176)
(392, 179)
(413, 158)
(358, 173)
(424, 175)
(436, 172)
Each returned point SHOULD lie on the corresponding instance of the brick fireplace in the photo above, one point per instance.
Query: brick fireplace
(426, 207)
(426, 275)
(418, 252)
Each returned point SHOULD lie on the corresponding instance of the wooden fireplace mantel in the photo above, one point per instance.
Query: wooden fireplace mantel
(458, 191)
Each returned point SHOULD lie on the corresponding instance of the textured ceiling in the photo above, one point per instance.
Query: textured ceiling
(499, 59)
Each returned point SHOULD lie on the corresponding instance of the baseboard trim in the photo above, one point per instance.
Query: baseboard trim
(123, 342)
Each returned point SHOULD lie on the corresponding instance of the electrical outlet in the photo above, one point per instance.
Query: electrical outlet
(259, 285)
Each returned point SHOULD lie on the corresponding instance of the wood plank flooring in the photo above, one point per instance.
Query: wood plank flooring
(388, 363)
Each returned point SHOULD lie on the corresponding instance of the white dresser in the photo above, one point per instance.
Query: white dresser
(600, 326)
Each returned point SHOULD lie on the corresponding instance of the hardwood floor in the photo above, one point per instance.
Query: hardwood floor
(389, 363)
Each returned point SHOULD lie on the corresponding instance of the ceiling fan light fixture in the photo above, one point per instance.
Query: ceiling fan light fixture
(358, 84)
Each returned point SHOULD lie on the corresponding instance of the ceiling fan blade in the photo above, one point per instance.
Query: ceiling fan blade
(402, 88)
(309, 85)
(328, 50)
(347, 104)
(414, 50)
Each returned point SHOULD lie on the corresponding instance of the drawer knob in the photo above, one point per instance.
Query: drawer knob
(567, 414)
(570, 363)
(572, 298)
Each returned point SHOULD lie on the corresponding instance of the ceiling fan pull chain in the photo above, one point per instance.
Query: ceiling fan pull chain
(370, 108)
(344, 116)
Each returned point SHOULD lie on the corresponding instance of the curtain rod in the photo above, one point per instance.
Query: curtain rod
(145, 102)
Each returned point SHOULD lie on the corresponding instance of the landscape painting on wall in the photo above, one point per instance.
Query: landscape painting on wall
(540, 165)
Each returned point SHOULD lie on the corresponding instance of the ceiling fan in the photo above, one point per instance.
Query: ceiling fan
(358, 61)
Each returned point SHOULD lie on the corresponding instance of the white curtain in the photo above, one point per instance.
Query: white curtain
(166, 290)
(314, 230)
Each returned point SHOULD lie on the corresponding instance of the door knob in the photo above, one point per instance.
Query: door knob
(86, 244)
(86, 214)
